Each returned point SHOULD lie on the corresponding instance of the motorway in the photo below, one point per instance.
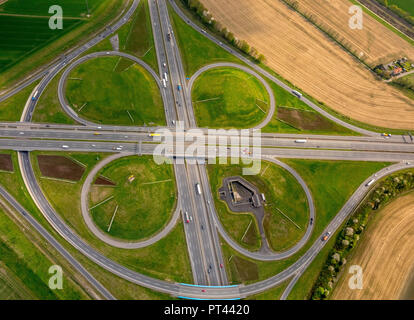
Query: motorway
(201, 234)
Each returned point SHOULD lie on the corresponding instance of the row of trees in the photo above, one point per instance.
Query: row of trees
(397, 10)
(208, 20)
(347, 239)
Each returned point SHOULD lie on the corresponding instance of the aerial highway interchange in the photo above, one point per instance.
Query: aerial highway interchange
(203, 234)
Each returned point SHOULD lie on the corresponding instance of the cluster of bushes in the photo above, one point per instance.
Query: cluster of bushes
(347, 239)
(383, 73)
(208, 20)
(405, 83)
(397, 10)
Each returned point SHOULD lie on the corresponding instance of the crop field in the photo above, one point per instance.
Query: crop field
(229, 98)
(20, 36)
(71, 8)
(304, 55)
(374, 43)
(406, 5)
(384, 254)
(94, 88)
(29, 31)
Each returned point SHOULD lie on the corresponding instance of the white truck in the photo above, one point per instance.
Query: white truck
(370, 182)
(297, 93)
(164, 83)
(301, 140)
(198, 188)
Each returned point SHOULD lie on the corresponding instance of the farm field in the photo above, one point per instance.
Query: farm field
(94, 87)
(229, 98)
(143, 206)
(313, 63)
(406, 5)
(385, 254)
(20, 45)
(374, 44)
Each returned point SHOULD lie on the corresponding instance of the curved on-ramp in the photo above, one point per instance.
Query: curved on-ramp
(272, 108)
(271, 256)
(106, 238)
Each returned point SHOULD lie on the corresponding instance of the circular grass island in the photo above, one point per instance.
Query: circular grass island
(115, 91)
(286, 210)
(227, 97)
(140, 204)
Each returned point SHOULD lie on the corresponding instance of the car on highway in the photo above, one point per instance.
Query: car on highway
(187, 219)
(326, 236)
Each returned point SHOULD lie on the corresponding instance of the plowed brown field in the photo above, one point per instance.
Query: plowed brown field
(385, 254)
(302, 54)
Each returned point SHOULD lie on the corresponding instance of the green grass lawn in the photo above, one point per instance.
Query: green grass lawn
(96, 96)
(48, 108)
(24, 266)
(229, 98)
(196, 50)
(167, 259)
(331, 184)
(136, 36)
(282, 193)
(144, 206)
(11, 109)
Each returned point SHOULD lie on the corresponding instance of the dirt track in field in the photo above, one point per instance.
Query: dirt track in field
(385, 254)
(306, 57)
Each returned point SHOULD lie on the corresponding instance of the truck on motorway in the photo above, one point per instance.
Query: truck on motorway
(35, 95)
(154, 135)
(179, 87)
(370, 182)
(301, 140)
(164, 83)
(297, 93)
(326, 236)
(65, 146)
(198, 188)
(187, 218)
(165, 76)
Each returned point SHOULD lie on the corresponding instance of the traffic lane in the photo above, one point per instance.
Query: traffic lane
(193, 241)
(211, 268)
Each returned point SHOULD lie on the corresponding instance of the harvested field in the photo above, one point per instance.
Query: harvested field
(385, 254)
(60, 167)
(6, 163)
(304, 120)
(374, 43)
(303, 55)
